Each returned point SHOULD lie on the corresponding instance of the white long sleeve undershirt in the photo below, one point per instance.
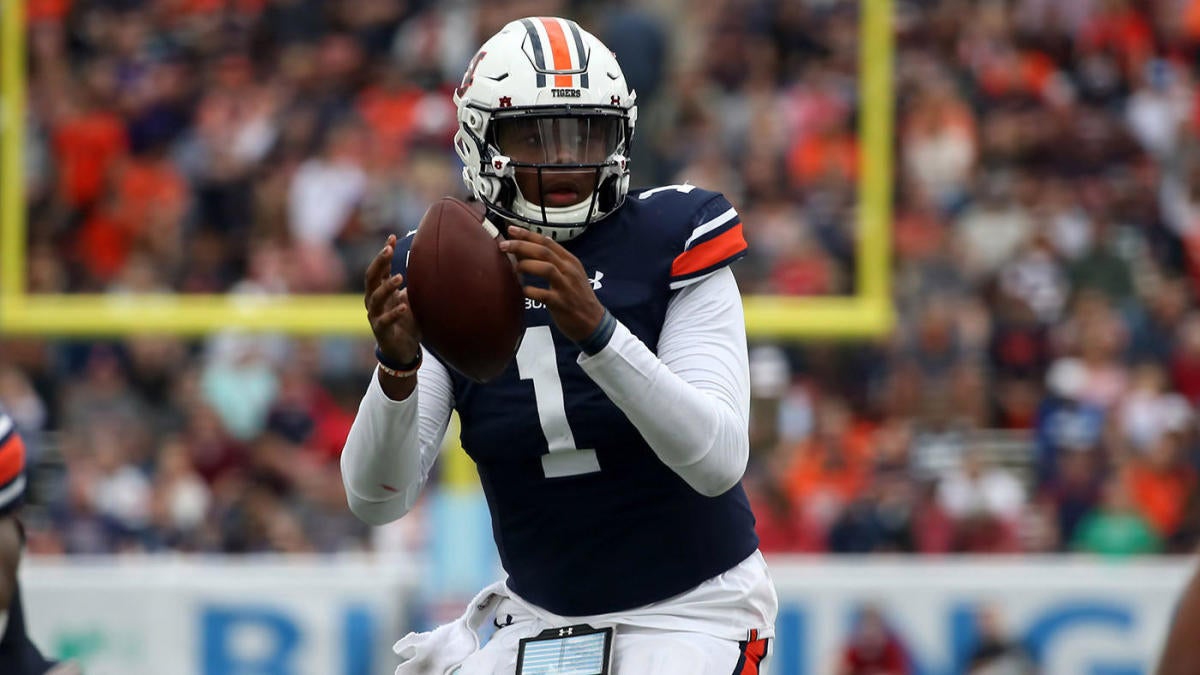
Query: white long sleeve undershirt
(691, 403)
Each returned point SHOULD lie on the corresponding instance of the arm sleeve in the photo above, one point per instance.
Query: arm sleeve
(393, 444)
(691, 402)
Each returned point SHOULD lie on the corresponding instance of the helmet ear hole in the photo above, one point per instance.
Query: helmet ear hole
(506, 193)
(606, 198)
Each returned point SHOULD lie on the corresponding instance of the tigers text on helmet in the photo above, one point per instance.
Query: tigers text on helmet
(545, 120)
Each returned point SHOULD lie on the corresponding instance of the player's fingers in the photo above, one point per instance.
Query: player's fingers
(540, 268)
(400, 317)
(544, 295)
(525, 234)
(379, 267)
(405, 310)
(378, 270)
(557, 251)
(552, 245)
(393, 314)
(377, 303)
(521, 234)
(391, 319)
(526, 250)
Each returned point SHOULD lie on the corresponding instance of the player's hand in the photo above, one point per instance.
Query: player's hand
(572, 303)
(391, 317)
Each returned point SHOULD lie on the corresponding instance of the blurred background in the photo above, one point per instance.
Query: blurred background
(1013, 462)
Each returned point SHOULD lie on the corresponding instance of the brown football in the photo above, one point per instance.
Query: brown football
(464, 291)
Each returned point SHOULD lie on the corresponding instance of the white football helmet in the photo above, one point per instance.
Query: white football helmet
(545, 97)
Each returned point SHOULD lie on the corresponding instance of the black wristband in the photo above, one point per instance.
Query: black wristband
(398, 367)
(600, 337)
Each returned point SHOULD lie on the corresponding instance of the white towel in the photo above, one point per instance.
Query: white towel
(442, 650)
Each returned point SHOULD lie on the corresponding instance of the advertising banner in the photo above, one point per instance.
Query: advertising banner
(219, 616)
(339, 616)
(1072, 616)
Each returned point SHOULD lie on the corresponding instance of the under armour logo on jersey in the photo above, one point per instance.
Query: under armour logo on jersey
(563, 632)
(595, 281)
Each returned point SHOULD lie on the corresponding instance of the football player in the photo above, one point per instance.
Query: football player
(18, 655)
(611, 450)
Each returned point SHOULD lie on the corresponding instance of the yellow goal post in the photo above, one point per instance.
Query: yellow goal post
(867, 313)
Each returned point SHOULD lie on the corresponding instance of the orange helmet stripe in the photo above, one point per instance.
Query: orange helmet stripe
(559, 50)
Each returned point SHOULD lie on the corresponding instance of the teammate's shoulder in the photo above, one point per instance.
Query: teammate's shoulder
(11, 445)
(12, 465)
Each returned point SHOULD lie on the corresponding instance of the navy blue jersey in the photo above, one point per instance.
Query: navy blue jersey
(587, 519)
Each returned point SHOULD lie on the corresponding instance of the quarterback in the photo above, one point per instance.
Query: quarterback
(612, 448)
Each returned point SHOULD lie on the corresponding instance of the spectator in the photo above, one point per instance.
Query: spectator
(324, 195)
(995, 653)
(857, 528)
(121, 493)
(873, 649)
(781, 526)
(1065, 421)
(1158, 111)
(1185, 361)
(1116, 528)
(940, 143)
(1033, 276)
(1097, 332)
(1101, 268)
(985, 501)
(1154, 337)
(88, 139)
(1148, 411)
(240, 383)
(1160, 481)
(24, 405)
(993, 229)
(828, 470)
(1075, 490)
(180, 500)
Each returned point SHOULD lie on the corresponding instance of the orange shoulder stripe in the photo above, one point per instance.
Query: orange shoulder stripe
(711, 252)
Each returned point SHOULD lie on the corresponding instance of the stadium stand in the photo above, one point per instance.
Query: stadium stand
(1039, 393)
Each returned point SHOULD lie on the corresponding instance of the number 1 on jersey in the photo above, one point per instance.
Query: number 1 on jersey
(564, 459)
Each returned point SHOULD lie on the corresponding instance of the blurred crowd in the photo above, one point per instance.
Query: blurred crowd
(873, 646)
(1046, 235)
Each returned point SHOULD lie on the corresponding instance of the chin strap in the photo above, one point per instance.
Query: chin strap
(557, 233)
